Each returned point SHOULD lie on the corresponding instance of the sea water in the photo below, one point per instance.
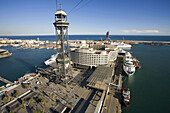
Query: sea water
(94, 37)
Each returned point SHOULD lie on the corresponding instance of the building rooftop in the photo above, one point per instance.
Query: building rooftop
(61, 12)
(100, 78)
(89, 50)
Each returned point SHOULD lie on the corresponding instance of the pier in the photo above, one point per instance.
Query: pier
(5, 80)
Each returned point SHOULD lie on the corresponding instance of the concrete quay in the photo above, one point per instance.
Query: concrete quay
(126, 41)
(5, 80)
(112, 103)
(82, 93)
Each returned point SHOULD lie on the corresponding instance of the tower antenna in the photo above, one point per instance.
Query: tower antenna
(60, 4)
(56, 5)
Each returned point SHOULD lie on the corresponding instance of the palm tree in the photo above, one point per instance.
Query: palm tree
(42, 88)
(31, 100)
(52, 95)
(23, 103)
(37, 111)
(16, 93)
(6, 99)
(71, 104)
(27, 86)
(42, 101)
(11, 112)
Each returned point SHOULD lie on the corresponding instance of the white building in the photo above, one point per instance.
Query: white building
(92, 57)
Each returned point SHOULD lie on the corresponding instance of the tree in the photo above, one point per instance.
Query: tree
(23, 103)
(21, 110)
(16, 93)
(71, 104)
(41, 89)
(11, 112)
(42, 101)
(46, 104)
(6, 99)
(37, 111)
(31, 100)
(52, 95)
(27, 86)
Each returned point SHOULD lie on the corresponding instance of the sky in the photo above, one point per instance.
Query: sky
(120, 17)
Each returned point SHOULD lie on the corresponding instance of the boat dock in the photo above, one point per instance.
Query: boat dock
(113, 98)
(5, 80)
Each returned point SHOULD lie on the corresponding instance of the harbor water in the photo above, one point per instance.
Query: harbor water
(149, 86)
(22, 61)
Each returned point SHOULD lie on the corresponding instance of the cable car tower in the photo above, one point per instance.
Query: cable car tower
(62, 47)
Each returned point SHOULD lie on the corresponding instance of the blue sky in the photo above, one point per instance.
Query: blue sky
(120, 17)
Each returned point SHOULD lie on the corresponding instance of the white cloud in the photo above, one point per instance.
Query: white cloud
(141, 31)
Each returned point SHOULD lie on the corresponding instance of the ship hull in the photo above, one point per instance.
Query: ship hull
(126, 98)
(128, 73)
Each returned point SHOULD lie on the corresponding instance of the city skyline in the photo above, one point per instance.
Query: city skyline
(91, 17)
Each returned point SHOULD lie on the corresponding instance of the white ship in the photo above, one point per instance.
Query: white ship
(129, 68)
(121, 45)
(121, 51)
(128, 57)
(51, 61)
(72, 44)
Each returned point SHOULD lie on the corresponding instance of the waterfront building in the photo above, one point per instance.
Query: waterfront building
(94, 56)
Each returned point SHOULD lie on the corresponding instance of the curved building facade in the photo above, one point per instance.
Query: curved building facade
(91, 57)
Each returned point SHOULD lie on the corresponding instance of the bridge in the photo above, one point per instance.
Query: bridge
(5, 80)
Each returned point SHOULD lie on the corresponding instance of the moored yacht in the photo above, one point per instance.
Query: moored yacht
(126, 96)
(4, 53)
(129, 68)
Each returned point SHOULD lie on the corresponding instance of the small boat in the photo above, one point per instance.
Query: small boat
(15, 45)
(4, 53)
(136, 63)
(126, 96)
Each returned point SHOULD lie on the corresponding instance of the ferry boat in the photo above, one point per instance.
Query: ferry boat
(129, 68)
(128, 55)
(126, 96)
(121, 45)
(136, 63)
(128, 64)
(4, 53)
(121, 52)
